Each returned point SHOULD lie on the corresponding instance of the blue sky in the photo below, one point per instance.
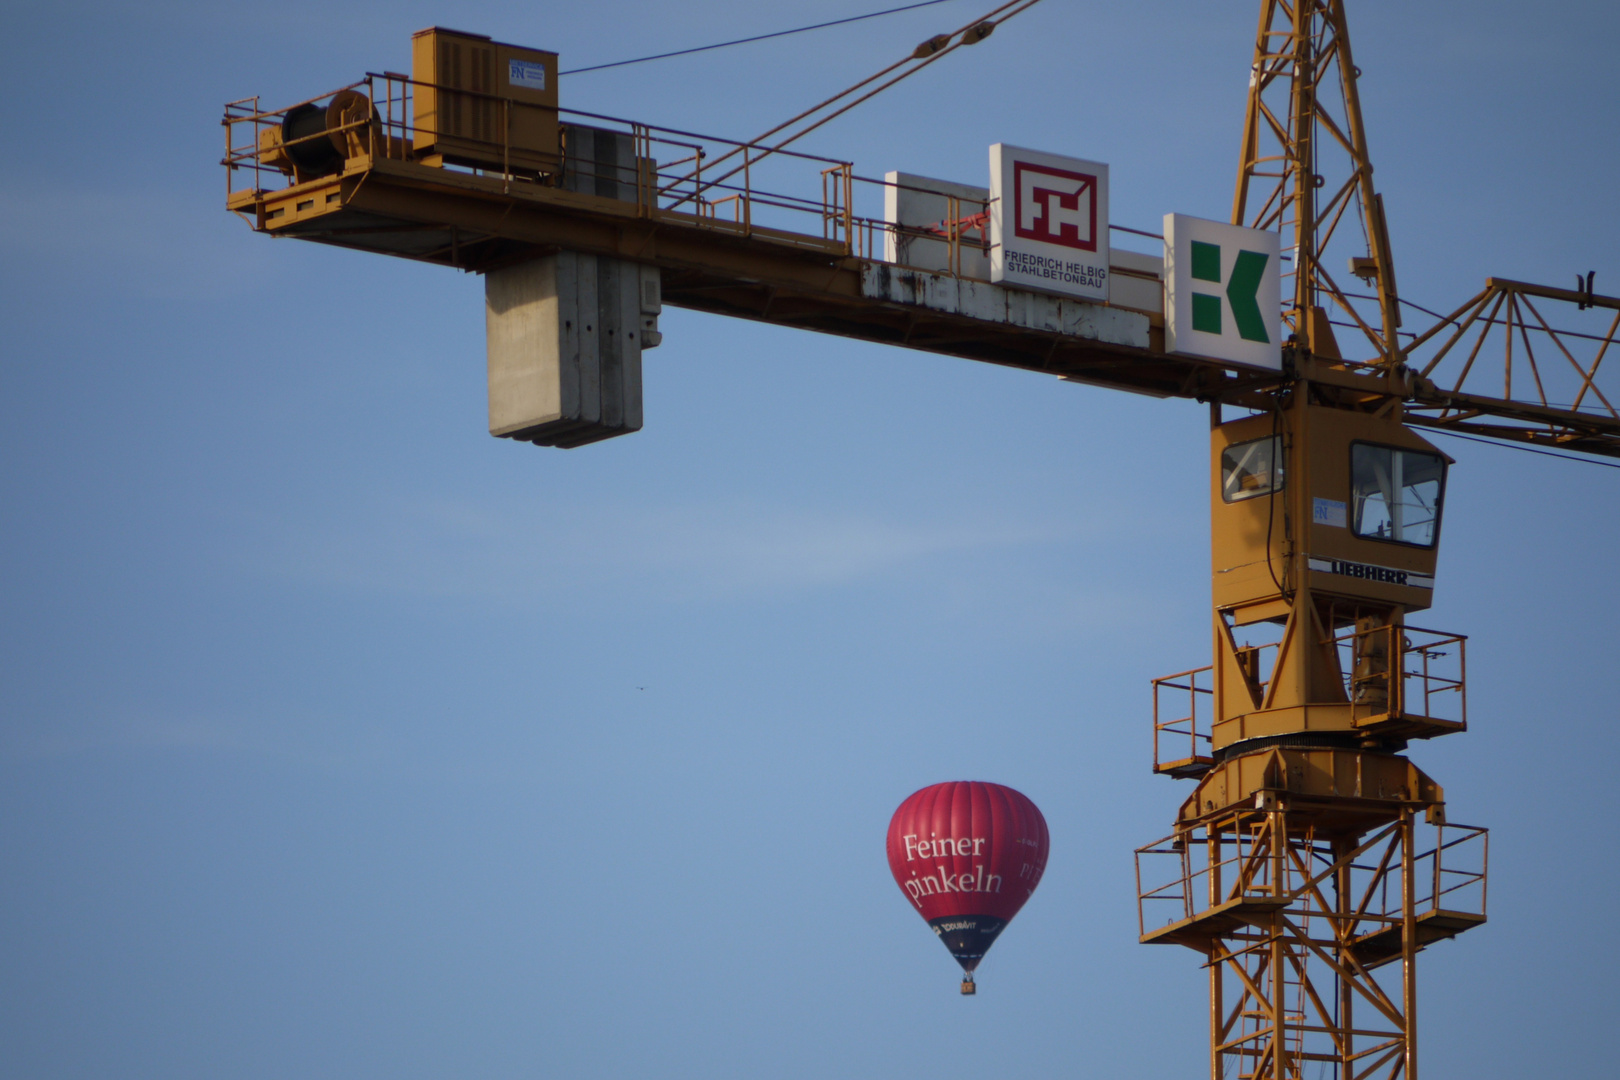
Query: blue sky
(338, 739)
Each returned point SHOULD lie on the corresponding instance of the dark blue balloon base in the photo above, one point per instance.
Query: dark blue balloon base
(968, 937)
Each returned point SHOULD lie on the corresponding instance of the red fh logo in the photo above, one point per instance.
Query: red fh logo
(1055, 206)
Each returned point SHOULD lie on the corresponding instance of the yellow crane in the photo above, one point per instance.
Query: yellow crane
(1313, 860)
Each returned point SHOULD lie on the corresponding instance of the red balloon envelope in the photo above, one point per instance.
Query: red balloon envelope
(967, 854)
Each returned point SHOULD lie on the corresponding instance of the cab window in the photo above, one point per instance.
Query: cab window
(1395, 494)
(1252, 468)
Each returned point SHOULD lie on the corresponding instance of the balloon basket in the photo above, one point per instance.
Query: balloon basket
(968, 987)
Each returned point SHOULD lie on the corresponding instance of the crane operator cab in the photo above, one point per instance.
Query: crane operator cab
(1325, 526)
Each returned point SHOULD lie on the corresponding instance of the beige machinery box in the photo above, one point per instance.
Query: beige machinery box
(483, 103)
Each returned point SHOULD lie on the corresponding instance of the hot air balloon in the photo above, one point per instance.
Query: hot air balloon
(967, 854)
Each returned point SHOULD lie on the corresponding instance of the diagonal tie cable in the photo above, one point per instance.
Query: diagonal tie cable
(935, 48)
(756, 37)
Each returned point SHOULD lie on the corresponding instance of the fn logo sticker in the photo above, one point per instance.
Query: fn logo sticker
(1242, 291)
(1222, 292)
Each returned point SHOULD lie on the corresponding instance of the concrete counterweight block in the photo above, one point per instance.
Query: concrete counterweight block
(565, 338)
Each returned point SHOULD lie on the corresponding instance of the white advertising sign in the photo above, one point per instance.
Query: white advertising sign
(1048, 222)
(524, 73)
(1222, 292)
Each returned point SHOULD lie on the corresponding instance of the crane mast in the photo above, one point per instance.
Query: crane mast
(1301, 56)
(1313, 860)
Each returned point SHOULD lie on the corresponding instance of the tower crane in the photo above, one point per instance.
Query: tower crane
(1313, 860)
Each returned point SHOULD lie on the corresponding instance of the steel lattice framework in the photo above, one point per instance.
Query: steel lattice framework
(1305, 172)
(1294, 871)
(1311, 920)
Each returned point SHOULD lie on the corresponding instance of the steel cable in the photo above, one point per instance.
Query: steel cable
(756, 37)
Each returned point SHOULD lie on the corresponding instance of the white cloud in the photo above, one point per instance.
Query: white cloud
(682, 552)
(315, 743)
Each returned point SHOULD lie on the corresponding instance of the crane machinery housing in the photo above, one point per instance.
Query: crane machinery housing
(1313, 860)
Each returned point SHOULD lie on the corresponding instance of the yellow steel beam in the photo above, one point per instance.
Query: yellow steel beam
(481, 222)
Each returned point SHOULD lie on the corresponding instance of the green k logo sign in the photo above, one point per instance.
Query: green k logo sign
(1222, 292)
(1242, 292)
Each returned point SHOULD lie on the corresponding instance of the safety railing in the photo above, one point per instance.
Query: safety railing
(1176, 727)
(1244, 859)
(1194, 728)
(1449, 876)
(747, 188)
(699, 180)
(1403, 673)
(1189, 872)
(1431, 665)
